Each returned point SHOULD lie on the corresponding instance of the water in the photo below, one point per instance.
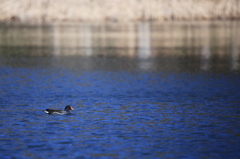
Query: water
(139, 91)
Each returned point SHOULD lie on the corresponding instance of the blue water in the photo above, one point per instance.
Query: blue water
(119, 112)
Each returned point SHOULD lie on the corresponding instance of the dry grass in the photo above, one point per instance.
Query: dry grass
(118, 10)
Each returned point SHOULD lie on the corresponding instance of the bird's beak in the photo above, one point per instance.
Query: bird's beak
(72, 108)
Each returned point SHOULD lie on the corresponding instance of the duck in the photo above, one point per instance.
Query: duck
(61, 112)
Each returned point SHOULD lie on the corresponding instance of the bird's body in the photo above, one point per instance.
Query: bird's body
(60, 112)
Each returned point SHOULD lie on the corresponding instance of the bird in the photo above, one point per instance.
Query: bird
(61, 112)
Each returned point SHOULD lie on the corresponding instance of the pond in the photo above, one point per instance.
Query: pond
(139, 90)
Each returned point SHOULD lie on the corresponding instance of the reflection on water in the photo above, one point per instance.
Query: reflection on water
(199, 43)
(139, 90)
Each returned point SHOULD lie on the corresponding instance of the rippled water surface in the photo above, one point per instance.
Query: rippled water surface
(136, 97)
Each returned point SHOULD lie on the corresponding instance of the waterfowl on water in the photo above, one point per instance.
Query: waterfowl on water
(61, 112)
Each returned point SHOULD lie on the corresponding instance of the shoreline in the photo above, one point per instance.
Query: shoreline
(118, 11)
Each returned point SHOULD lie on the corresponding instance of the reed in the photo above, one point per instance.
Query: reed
(118, 10)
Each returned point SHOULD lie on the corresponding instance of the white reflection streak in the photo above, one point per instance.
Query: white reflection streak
(144, 50)
(205, 56)
(56, 36)
(205, 53)
(87, 40)
(144, 47)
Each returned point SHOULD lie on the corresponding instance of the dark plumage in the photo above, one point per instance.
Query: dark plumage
(61, 112)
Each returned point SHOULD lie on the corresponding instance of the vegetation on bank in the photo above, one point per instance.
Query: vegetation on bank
(118, 10)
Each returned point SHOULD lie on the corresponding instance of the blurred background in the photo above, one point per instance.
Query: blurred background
(147, 78)
(118, 10)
